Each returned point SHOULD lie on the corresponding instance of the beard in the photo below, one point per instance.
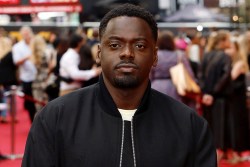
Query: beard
(126, 81)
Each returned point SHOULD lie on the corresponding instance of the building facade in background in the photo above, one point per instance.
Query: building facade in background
(76, 12)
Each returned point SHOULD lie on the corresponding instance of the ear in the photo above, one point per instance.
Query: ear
(98, 57)
(155, 59)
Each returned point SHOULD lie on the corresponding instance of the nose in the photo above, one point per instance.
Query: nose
(127, 52)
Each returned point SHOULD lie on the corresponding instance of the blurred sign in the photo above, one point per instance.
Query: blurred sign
(9, 2)
(53, 1)
(227, 3)
(187, 1)
(40, 8)
(164, 4)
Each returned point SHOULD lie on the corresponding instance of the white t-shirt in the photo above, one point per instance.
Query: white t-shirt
(69, 69)
(194, 53)
(127, 114)
(28, 70)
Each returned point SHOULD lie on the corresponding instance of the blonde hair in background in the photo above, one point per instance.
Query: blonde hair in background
(210, 41)
(243, 50)
(38, 46)
(5, 46)
(247, 36)
(215, 38)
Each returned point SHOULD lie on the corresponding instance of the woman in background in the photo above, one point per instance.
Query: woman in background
(168, 57)
(40, 59)
(86, 63)
(238, 134)
(61, 45)
(215, 85)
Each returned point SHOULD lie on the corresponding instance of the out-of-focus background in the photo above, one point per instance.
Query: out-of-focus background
(179, 15)
(191, 21)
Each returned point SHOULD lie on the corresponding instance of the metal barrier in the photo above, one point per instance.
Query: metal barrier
(12, 94)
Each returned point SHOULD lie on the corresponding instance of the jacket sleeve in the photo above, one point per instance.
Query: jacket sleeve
(69, 69)
(40, 148)
(226, 75)
(205, 151)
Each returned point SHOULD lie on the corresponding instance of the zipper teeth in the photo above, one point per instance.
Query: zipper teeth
(133, 144)
(122, 144)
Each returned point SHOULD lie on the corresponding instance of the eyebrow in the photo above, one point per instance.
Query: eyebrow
(115, 37)
(120, 38)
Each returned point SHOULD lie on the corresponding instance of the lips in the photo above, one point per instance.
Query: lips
(126, 67)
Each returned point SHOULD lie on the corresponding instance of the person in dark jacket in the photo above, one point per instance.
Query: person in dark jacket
(121, 120)
(215, 81)
(8, 74)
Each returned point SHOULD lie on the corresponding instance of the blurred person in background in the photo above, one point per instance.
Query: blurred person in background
(215, 83)
(87, 62)
(61, 45)
(94, 39)
(51, 50)
(8, 67)
(41, 60)
(168, 56)
(194, 53)
(247, 35)
(27, 70)
(70, 74)
(88, 53)
(182, 42)
(237, 118)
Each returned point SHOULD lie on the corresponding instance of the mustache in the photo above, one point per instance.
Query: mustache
(125, 63)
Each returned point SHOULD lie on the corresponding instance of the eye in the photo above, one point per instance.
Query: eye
(140, 46)
(114, 45)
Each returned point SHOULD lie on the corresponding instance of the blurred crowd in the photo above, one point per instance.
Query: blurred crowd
(219, 63)
(46, 68)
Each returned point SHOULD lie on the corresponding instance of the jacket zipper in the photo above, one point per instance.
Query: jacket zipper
(122, 144)
(133, 144)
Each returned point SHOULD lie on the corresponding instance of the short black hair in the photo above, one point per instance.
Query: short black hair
(129, 10)
(75, 39)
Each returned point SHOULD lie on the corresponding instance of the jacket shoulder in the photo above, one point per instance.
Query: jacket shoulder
(174, 109)
(70, 103)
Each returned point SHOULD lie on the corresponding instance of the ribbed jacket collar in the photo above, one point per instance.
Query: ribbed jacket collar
(109, 105)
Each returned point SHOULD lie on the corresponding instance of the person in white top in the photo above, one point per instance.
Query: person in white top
(69, 71)
(27, 70)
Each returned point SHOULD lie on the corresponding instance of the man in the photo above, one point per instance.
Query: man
(69, 67)
(27, 71)
(120, 121)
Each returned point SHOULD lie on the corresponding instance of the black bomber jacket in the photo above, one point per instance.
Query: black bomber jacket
(84, 129)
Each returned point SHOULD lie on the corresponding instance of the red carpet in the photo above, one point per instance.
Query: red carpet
(22, 128)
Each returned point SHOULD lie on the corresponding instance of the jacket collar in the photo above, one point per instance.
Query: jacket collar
(109, 106)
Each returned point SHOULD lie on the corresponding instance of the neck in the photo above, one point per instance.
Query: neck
(126, 98)
(27, 42)
(76, 49)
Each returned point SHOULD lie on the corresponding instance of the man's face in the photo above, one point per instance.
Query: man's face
(127, 52)
(27, 35)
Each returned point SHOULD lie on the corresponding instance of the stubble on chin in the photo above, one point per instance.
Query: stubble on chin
(126, 81)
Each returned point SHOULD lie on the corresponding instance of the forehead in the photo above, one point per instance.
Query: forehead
(128, 27)
(26, 32)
